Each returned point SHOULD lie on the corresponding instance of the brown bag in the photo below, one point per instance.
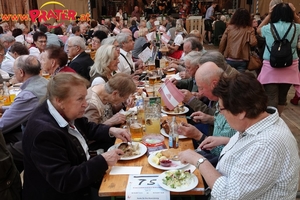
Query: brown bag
(254, 61)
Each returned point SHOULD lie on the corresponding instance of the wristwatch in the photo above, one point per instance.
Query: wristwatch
(200, 161)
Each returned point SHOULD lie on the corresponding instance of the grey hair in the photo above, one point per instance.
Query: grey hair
(104, 55)
(7, 38)
(29, 64)
(77, 41)
(122, 38)
(109, 40)
(193, 57)
(195, 43)
(215, 57)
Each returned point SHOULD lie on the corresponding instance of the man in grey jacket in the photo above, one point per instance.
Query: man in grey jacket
(27, 71)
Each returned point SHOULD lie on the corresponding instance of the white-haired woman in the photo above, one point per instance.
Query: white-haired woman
(106, 62)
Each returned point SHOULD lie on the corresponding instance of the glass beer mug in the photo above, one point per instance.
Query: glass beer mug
(136, 129)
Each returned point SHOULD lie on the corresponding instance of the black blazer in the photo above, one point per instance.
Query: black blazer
(55, 163)
(82, 64)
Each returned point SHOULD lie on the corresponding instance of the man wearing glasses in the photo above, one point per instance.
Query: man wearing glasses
(207, 77)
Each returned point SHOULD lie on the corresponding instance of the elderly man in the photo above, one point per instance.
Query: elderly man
(261, 160)
(191, 63)
(191, 100)
(75, 32)
(136, 13)
(81, 61)
(126, 64)
(16, 50)
(207, 76)
(27, 71)
(7, 41)
(189, 44)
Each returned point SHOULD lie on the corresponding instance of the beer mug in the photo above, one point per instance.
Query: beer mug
(136, 129)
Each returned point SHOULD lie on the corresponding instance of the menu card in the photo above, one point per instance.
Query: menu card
(145, 186)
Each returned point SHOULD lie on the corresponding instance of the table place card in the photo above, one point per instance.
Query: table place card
(117, 170)
(145, 186)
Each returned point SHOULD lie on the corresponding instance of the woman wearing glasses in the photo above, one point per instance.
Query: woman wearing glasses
(39, 44)
(261, 160)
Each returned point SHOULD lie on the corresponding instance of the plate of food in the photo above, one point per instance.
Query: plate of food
(131, 150)
(166, 159)
(177, 180)
(178, 110)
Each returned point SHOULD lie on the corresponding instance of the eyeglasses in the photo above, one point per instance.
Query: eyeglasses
(219, 109)
(42, 41)
(95, 41)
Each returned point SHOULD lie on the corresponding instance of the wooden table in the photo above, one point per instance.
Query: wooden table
(115, 185)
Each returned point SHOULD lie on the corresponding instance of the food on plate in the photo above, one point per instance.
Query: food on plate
(166, 163)
(177, 178)
(165, 125)
(170, 153)
(129, 149)
(177, 109)
(159, 159)
(164, 158)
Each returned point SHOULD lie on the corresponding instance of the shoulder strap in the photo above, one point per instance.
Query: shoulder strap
(288, 32)
(127, 62)
(293, 33)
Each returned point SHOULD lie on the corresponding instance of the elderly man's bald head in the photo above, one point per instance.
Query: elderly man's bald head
(207, 77)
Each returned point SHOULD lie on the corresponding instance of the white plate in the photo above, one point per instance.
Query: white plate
(192, 184)
(175, 164)
(143, 150)
(163, 132)
(186, 109)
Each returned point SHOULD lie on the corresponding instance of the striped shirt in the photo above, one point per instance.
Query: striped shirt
(261, 163)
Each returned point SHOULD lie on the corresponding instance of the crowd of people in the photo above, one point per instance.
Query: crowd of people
(244, 150)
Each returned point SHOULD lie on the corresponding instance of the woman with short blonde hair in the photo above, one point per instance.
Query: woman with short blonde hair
(106, 62)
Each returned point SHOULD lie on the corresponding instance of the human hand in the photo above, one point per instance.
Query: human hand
(211, 142)
(184, 75)
(112, 157)
(130, 101)
(189, 131)
(120, 133)
(172, 65)
(117, 118)
(173, 80)
(187, 95)
(201, 117)
(292, 7)
(189, 156)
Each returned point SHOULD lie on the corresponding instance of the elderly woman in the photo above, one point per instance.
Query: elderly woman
(261, 160)
(106, 63)
(54, 60)
(97, 37)
(140, 43)
(277, 81)
(39, 44)
(104, 99)
(57, 160)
